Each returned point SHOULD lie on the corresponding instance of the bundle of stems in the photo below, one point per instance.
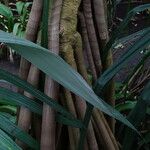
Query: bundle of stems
(77, 30)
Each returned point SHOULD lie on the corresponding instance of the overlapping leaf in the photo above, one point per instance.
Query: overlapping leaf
(60, 71)
(122, 26)
(139, 45)
(20, 100)
(6, 143)
(136, 116)
(13, 130)
(6, 11)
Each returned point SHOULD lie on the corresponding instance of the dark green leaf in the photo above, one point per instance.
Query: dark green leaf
(10, 128)
(146, 140)
(6, 11)
(142, 43)
(69, 122)
(6, 143)
(8, 109)
(122, 26)
(20, 6)
(36, 93)
(136, 116)
(16, 28)
(60, 71)
(20, 100)
(128, 105)
(132, 37)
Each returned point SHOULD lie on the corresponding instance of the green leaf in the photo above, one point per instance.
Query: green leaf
(20, 6)
(20, 100)
(27, 4)
(6, 11)
(8, 109)
(6, 143)
(136, 116)
(9, 116)
(36, 93)
(116, 34)
(125, 106)
(21, 33)
(60, 71)
(146, 140)
(10, 128)
(145, 95)
(69, 122)
(16, 28)
(130, 37)
(86, 121)
(6, 102)
(139, 45)
(136, 70)
(35, 107)
(47, 6)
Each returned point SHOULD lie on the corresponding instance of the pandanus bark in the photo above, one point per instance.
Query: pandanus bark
(31, 74)
(64, 39)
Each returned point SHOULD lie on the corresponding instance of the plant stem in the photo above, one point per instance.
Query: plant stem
(48, 133)
(87, 46)
(31, 34)
(100, 17)
(24, 118)
(87, 11)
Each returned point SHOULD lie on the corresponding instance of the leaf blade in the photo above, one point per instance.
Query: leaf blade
(61, 72)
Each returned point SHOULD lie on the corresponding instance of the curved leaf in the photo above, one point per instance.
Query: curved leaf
(36, 93)
(20, 6)
(60, 71)
(136, 116)
(6, 11)
(20, 100)
(69, 122)
(13, 130)
(146, 140)
(139, 45)
(6, 143)
(9, 116)
(16, 28)
(122, 26)
(126, 106)
(8, 109)
(131, 37)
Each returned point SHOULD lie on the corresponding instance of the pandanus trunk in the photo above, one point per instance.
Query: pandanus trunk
(101, 22)
(24, 118)
(63, 35)
(48, 133)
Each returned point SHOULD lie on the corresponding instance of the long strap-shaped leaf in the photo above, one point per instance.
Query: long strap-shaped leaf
(131, 37)
(35, 107)
(21, 100)
(122, 26)
(6, 12)
(36, 93)
(13, 130)
(6, 143)
(136, 116)
(139, 45)
(138, 67)
(60, 71)
(69, 122)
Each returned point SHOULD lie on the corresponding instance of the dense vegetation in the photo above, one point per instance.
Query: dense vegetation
(82, 105)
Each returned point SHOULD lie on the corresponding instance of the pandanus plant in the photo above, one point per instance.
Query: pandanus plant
(57, 99)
